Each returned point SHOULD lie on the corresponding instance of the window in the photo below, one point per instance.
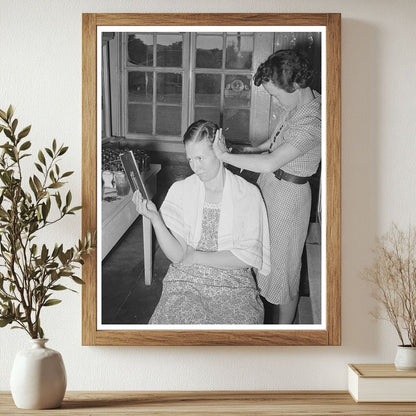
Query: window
(158, 83)
(173, 79)
(222, 75)
(154, 70)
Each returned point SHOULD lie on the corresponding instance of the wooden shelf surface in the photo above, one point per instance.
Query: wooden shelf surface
(317, 403)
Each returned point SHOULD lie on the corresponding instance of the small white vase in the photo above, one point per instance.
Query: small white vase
(405, 358)
(38, 377)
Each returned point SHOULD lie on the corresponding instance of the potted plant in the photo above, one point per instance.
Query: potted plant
(393, 277)
(31, 273)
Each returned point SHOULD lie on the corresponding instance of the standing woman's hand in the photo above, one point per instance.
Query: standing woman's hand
(145, 207)
(219, 146)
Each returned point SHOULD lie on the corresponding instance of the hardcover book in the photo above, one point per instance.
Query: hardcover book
(381, 383)
(133, 174)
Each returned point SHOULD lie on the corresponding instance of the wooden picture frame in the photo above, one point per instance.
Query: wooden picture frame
(330, 333)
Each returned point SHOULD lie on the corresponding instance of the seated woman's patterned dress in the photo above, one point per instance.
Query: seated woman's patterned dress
(199, 294)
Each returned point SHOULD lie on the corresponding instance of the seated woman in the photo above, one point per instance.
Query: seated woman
(213, 227)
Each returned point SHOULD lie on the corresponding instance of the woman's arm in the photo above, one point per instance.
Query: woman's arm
(262, 147)
(262, 163)
(224, 259)
(173, 246)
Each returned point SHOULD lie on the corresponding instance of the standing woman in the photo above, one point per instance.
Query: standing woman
(285, 162)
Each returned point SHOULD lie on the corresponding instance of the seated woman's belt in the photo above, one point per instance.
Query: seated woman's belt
(280, 174)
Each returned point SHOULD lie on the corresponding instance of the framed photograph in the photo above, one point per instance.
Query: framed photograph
(145, 79)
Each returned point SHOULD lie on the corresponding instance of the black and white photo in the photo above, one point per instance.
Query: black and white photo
(228, 127)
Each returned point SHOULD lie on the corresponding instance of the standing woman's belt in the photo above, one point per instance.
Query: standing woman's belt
(288, 177)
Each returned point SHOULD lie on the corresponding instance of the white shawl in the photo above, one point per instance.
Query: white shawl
(243, 225)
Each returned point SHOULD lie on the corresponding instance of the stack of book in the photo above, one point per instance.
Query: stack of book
(381, 383)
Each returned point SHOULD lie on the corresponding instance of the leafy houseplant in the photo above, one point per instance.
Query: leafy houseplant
(393, 277)
(30, 272)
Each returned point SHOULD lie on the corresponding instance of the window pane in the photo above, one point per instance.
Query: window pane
(140, 86)
(169, 50)
(209, 114)
(207, 89)
(169, 88)
(168, 120)
(236, 125)
(140, 118)
(239, 52)
(237, 91)
(140, 49)
(209, 51)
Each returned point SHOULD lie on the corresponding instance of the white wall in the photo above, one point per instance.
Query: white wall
(40, 74)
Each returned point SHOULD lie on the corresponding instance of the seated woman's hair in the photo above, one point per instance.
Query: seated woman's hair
(284, 68)
(200, 130)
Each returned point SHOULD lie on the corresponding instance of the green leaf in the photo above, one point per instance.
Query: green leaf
(77, 208)
(68, 199)
(77, 280)
(62, 257)
(33, 187)
(24, 132)
(58, 250)
(66, 273)
(5, 321)
(51, 302)
(49, 152)
(5, 298)
(44, 253)
(63, 150)
(14, 125)
(41, 157)
(40, 331)
(37, 183)
(56, 185)
(45, 211)
(59, 287)
(25, 145)
(58, 199)
(54, 145)
(39, 167)
(10, 112)
(34, 249)
(8, 133)
(3, 115)
(67, 174)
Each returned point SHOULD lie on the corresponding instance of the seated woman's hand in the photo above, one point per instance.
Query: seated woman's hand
(145, 207)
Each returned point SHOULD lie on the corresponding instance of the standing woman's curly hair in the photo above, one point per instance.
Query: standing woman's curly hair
(284, 68)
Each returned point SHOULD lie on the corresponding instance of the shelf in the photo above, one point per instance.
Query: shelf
(318, 403)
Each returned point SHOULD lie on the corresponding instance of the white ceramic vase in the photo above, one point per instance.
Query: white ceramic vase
(405, 358)
(38, 377)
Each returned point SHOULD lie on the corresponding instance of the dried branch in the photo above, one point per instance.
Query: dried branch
(393, 277)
